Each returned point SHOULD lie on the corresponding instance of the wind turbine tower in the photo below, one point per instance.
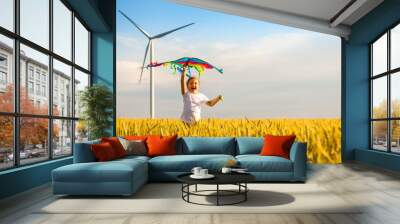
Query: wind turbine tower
(150, 45)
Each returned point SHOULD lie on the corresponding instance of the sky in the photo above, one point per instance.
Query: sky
(270, 70)
(35, 27)
(379, 66)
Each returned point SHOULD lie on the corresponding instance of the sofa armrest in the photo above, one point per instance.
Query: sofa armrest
(83, 152)
(298, 155)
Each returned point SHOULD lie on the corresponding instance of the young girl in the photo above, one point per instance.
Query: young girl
(192, 99)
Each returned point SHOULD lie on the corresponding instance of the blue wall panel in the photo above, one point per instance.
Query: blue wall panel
(357, 99)
(103, 69)
(377, 158)
(103, 54)
(24, 178)
(356, 90)
(102, 59)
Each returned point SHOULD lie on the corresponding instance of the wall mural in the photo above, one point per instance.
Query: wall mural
(320, 134)
(211, 74)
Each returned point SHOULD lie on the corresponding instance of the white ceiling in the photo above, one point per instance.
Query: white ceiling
(314, 15)
(321, 9)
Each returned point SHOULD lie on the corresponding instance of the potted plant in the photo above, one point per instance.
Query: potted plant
(96, 103)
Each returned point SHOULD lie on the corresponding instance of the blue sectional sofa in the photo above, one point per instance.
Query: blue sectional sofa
(125, 176)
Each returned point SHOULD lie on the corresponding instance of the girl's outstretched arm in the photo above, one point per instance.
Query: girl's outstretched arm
(214, 101)
(183, 84)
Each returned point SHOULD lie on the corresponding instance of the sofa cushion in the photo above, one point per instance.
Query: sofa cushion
(132, 158)
(185, 163)
(257, 163)
(249, 145)
(208, 145)
(112, 171)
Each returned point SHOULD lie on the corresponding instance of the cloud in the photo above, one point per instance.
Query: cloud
(126, 41)
(293, 74)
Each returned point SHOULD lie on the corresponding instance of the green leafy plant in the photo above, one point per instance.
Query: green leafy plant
(96, 102)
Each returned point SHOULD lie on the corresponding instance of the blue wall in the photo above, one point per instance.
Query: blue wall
(104, 53)
(355, 89)
(103, 67)
(99, 16)
(24, 178)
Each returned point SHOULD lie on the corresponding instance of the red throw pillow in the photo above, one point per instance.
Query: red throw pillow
(277, 145)
(103, 152)
(161, 145)
(116, 145)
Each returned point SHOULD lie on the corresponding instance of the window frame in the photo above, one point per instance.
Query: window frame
(388, 74)
(16, 114)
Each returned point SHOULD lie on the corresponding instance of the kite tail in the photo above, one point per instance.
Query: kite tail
(220, 70)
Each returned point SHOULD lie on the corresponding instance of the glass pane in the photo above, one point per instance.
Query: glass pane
(62, 89)
(35, 21)
(395, 94)
(395, 136)
(6, 142)
(81, 81)
(81, 131)
(7, 14)
(6, 74)
(62, 138)
(62, 29)
(395, 47)
(81, 45)
(33, 139)
(379, 135)
(379, 55)
(379, 97)
(34, 81)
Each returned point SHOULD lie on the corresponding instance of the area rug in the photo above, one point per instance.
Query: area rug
(166, 198)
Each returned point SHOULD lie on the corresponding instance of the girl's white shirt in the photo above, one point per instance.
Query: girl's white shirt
(192, 103)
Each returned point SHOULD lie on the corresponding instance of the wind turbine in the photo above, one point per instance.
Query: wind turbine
(150, 44)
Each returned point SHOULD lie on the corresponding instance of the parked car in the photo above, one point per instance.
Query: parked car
(22, 155)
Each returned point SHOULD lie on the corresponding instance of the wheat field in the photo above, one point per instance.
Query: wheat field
(323, 136)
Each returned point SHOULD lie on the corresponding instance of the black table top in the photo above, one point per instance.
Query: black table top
(220, 178)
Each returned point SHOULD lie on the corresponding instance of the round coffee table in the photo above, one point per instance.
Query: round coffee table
(238, 179)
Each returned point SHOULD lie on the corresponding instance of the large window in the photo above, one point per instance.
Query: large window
(385, 91)
(7, 14)
(40, 80)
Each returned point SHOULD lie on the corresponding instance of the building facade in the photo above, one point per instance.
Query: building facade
(34, 81)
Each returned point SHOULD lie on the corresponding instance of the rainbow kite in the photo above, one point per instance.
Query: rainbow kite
(192, 64)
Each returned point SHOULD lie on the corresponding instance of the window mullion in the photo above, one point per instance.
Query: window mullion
(73, 82)
(16, 84)
(50, 81)
(389, 88)
(371, 142)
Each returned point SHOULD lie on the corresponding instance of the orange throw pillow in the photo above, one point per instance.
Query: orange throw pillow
(277, 145)
(116, 145)
(161, 145)
(103, 152)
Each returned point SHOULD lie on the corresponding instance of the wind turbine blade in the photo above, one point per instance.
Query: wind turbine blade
(144, 60)
(171, 31)
(136, 25)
